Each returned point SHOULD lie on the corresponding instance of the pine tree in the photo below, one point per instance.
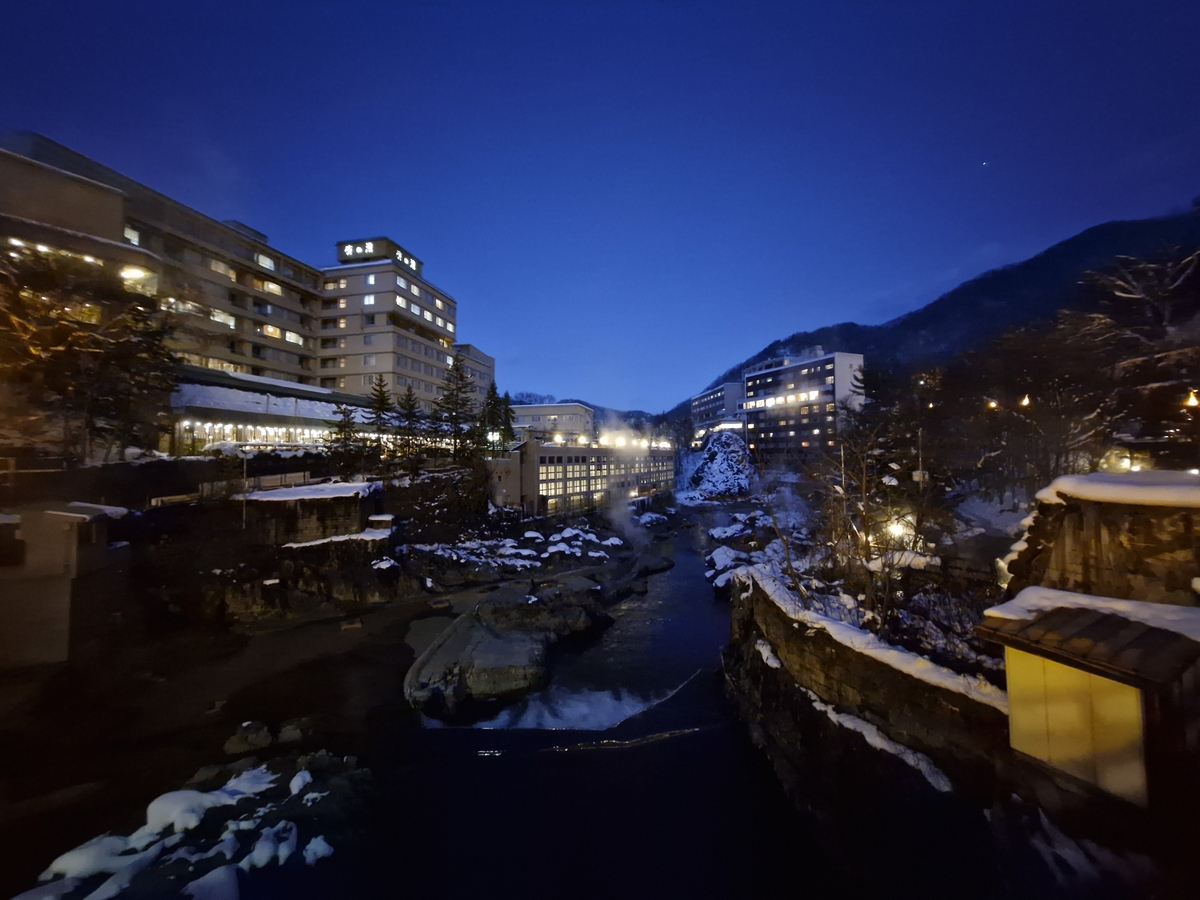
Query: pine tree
(507, 419)
(411, 428)
(490, 419)
(344, 446)
(454, 412)
(382, 412)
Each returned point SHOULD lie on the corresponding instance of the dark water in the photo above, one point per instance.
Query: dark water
(690, 809)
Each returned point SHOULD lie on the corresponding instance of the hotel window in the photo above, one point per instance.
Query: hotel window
(401, 302)
(416, 290)
(369, 300)
(131, 235)
(217, 266)
(369, 319)
(269, 287)
(331, 285)
(440, 321)
(416, 310)
(428, 315)
(369, 360)
(401, 361)
(265, 261)
(223, 317)
(439, 303)
(292, 338)
(370, 279)
(368, 340)
(341, 382)
(400, 282)
(367, 380)
(341, 323)
(450, 327)
(341, 363)
(271, 331)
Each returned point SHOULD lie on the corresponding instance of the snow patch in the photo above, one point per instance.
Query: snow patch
(317, 848)
(1183, 620)
(316, 491)
(1156, 488)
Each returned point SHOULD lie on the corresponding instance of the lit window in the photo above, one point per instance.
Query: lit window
(416, 310)
(829, 379)
(401, 302)
(132, 236)
(331, 285)
(370, 279)
(342, 322)
(400, 282)
(217, 266)
(440, 304)
(223, 317)
(269, 287)
(265, 261)
(440, 321)
(416, 291)
(428, 315)
(369, 300)
(271, 331)
(292, 338)
(341, 382)
(369, 359)
(450, 327)
(341, 363)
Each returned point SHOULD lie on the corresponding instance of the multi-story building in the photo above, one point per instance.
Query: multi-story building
(569, 423)
(548, 479)
(243, 305)
(719, 409)
(792, 403)
(381, 317)
(481, 368)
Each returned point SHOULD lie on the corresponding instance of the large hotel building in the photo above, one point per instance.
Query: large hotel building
(784, 406)
(293, 338)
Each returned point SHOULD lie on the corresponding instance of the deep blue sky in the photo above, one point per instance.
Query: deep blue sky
(628, 197)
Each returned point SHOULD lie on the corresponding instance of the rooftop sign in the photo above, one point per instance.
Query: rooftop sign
(378, 249)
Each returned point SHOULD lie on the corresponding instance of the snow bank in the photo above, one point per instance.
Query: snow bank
(1180, 489)
(219, 884)
(727, 532)
(317, 848)
(651, 519)
(903, 559)
(369, 534)
(869, 645)
(877, 739)
(316, 491)
(725, 557)
(1184, 620)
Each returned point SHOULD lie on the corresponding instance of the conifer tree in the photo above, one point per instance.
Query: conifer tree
(507, 419)
(454, 412)
(411, 428)
(344, 445)
(382, 412)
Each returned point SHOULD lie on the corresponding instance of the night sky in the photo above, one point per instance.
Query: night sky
(625, 198)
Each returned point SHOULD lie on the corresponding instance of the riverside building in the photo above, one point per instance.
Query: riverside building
(791, 403)
(379, 316)
(243, 309)
(719, 409)
(552, 478)
(570, 423)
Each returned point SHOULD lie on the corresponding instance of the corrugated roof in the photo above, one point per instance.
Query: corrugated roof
(1099, 642)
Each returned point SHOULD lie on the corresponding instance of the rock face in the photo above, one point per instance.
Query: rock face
(499, 649)
(725, 469)
(250, 736)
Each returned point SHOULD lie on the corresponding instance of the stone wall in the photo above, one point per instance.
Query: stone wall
(831, 769)
(1111, 550)
(278, 522)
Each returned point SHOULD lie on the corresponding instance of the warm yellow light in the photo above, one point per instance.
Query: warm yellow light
(16, 243)
(583, 439)
(1025, 400)
(1191, 400)
(42, 248)
(620, 442)
(558, 439)
(896, 529)
(132, 273)
(991, 404)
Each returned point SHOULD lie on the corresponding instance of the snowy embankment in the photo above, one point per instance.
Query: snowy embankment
(1183, 620)
(869, 645)
(185, 848)
(324, 491)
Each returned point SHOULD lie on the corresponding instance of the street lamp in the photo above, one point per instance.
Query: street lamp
(1025, 400)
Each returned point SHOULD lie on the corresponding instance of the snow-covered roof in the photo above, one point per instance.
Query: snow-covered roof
(1183, 620)
(1156, 488)
(317, 491)
(210, 396)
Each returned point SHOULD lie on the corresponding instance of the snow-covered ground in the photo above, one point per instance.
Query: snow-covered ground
(722, 468)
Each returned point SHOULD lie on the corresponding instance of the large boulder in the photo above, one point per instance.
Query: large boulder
(725, 469)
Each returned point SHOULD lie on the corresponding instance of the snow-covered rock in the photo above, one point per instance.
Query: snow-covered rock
(725, 469)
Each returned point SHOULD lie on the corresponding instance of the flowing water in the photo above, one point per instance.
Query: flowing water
(628, 776)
